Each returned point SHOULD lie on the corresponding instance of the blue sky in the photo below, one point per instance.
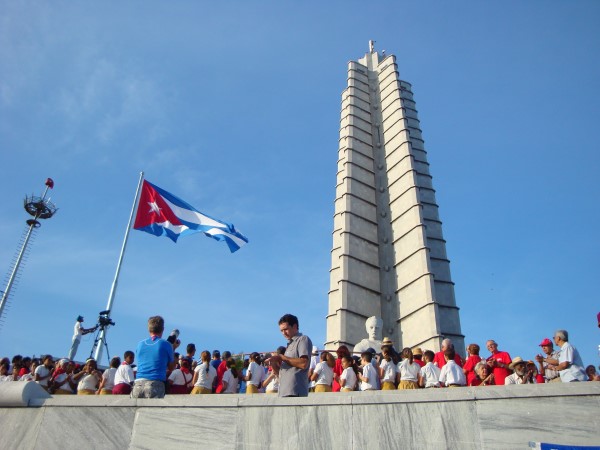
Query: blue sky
(234, 107)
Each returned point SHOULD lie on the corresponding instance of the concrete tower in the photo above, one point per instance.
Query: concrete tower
(389, 255)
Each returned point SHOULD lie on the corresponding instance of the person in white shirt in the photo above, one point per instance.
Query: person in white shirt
(204, 375)
(255, 374)
(569, 365)
(368, 378)
(124, 377)
(44, 371)
(323, 373)
(429, 375)
(348, 378)
(408, 371)
(78, 331)
(387, 371)
(314, 360)
(107, 383)
(520, 375)
(230, 378)
(452, 375)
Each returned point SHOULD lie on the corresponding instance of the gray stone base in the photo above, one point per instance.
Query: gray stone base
(459, 418)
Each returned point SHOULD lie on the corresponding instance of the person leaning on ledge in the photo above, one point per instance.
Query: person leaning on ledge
(154, 356)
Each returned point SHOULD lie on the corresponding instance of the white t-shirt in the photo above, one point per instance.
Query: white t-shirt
(77, 331)
(89, 382)
(66, 386)
(257, 374)
(205, 379)
(179, 378)
(124, 374)
(232, 382)
(389, 371)
(369, 372)
(42, 371)
(314, 360)
(452, 373)
(325, 374)
(431, 375)
(350, 377)
(109, 378)
(408, 371)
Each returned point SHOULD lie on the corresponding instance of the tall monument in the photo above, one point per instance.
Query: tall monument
(389, 255)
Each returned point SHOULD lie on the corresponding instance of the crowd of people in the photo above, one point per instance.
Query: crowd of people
(296, 369)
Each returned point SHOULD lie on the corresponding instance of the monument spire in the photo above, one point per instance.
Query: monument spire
(389, 255)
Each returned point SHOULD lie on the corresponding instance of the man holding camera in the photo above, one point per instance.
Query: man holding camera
(77, 333)
(154, 356)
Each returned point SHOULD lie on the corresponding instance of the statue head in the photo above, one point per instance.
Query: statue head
(373, 325)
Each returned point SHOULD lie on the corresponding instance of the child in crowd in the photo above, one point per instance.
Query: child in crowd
(271, 383)
(204, 375)
(180, 380)
(323, 373)
(451, 374)
(88, 378)
(368, 377)
(124, 377)
(255, 375)
(230, 379)
(387, 371)
(408, 371)
(429, 375)
(44, 371)
(108, 377)
(62, 383)
(314, 360)
(471, 362)
(243, 376)
(348, 378)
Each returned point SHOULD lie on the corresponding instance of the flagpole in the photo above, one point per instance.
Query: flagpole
(113, 289)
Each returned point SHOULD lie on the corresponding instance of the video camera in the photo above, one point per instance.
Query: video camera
(104, 320)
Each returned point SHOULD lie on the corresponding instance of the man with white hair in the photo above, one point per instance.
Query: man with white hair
(521, 375)
(440, 360)
(569, 364)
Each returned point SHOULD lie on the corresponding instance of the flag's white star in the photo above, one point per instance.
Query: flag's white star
(154, 208)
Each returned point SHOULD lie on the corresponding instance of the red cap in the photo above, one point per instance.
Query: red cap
(546, 341)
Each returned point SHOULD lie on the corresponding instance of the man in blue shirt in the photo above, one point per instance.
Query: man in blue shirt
(154, 357)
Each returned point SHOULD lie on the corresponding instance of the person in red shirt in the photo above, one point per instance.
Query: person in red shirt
(499, 362)
(338, 369)
(471, 362)
(440, 360)
(221, 369)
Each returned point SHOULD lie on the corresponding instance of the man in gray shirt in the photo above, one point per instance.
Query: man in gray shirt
(293, 371)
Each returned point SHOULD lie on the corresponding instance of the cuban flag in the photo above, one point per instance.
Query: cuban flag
(162, 214)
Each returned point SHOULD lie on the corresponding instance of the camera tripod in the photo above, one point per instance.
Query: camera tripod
(101, 329)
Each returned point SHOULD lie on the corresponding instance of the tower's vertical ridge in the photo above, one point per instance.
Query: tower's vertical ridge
(389, 257)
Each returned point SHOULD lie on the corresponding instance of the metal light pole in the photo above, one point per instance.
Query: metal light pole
(38, 208)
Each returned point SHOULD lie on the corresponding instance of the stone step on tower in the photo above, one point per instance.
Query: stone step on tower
(389, 255)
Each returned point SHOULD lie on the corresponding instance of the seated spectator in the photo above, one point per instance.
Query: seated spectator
(387, 370)
(440, 360)
(429, 375)
(204, 375)
(569, 364)
(408, 371)
(451, 375)
(62, 383)
(473, 359)
(44, 372)
(88, 378)
(348, 378)
(108, 377)
(591, 373)
(521, 375)
(550, 375)
(323, 373)
(418, 357)
(124, 377)
(499, 362)
(368, 377)
(255, 374)
(180, 380)
(231, 378)
(30, 375)
(484, 376)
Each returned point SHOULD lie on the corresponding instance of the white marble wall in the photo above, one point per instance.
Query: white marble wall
(462, 418)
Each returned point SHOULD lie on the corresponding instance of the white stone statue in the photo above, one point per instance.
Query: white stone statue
(373, 325)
